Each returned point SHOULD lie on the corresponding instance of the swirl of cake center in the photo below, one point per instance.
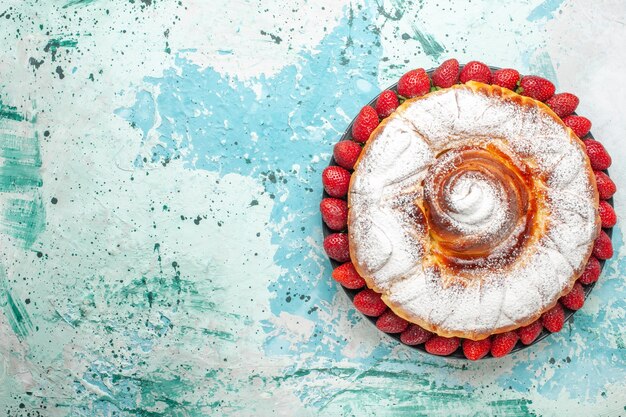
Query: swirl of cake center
(478, 207)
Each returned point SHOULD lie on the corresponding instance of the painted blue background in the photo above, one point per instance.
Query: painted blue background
(311, 353)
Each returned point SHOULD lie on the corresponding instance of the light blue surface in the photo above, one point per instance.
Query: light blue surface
(199, 183)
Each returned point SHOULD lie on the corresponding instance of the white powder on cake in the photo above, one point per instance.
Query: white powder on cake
(390, 247)
(475, 203)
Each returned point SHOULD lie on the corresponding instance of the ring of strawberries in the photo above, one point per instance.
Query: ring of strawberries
(334, 208)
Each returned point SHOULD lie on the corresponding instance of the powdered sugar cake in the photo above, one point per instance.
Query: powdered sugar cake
(472, 210)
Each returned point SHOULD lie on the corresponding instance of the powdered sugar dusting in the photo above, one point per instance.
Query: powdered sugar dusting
(392, 248)
(474, 202)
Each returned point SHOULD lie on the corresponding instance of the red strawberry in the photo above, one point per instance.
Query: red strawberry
(575, 299)
(442, 346)
(607, 214)
(389, 322)
(334, 213)
(387, 103)
(336, 181)
(606, 186)
(346, 275)
(602, 247)
(528, 334)
(563, 104)
(536, 87)
(415, 335)
(580, 125)
(475, 71)
(503, 343)
(364, 124)
(506, 77)
(336, 247)
(447, 74)
(553, 319)
(414, 83)
(369, 303)
(346, 153)
(476, 349)
(591, 273)
(598, 156)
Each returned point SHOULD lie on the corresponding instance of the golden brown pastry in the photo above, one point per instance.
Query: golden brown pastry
(472, 210)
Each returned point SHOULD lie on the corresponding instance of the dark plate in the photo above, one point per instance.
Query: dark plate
(459, 352)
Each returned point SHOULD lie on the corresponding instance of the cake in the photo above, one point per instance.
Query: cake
(473, 214)
(472, 209)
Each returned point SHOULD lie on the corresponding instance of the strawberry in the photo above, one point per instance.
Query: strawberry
(580, 125)
(503, 343)
(369, 303)
(346, 153)
(414, 83)
(563, 104)
(364, 124)
(575, 299)
(606, 186)
(389, 322)
(602, 247)
(553, 319)
(475, 71)
(607, 214)
(506, 77)
(336, 181)
(528, 334)
(443, 346)
(591, 273)
(336, 247)
(334, 213)
(447, 74)
(536, 87)
(386, 103)
(415, 335)
(598, 156)
(346, 275)
(476, 349)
